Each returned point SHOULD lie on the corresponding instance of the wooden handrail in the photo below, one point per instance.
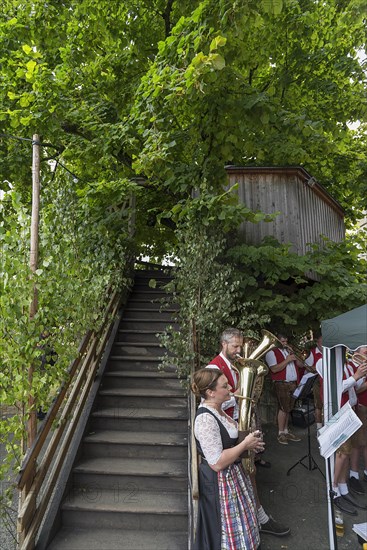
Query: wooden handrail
(194, 455)
(73, 396)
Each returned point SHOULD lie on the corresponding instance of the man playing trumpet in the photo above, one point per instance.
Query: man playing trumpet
(285, 373)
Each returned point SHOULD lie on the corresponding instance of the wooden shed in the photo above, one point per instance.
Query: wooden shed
(307, 210)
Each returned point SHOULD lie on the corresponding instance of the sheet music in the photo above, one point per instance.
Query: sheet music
(337, 430)
(297, 392)
(361, 530)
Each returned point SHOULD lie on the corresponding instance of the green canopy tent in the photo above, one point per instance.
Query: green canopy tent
(346, 331)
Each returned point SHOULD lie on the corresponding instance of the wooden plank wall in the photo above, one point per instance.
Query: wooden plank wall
(306, 212)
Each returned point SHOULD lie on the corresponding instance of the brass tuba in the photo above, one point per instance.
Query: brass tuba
(251, 376)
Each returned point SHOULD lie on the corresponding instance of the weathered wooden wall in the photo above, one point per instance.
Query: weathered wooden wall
(307, 211)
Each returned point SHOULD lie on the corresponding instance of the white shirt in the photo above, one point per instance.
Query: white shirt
(207, 432)
(291, 372)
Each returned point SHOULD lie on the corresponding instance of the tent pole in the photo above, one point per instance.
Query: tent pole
(331, 494)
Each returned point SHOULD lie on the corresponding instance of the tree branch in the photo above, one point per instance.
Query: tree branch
(167, 18)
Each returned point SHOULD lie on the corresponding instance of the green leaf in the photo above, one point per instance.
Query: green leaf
(27, 49)
(218, 61)
(217, 42)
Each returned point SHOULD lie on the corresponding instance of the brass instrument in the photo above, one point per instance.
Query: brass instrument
(251, 370)
(357, 358)
(300, 355)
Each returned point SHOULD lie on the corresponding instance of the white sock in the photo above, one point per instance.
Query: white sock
(262, 516)
(365, 472)
(336, 491)
(318, 425)
(353, 474)
(286, 431)
(343, 487)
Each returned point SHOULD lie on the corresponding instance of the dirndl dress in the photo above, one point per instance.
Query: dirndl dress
(227, 518)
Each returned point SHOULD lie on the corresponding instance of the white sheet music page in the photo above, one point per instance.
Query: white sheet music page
(361, 530)
(337, 430)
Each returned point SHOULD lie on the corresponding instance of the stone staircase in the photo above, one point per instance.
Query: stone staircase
(128, 487)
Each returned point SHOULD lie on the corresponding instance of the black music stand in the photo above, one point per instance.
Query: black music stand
(304, 393)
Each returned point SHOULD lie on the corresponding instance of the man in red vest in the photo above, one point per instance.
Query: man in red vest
(352, 381)
(314, 356)
(231, 342)
(359, 438)
(285, 373)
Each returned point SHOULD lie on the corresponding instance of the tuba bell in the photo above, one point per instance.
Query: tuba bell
(251, 376)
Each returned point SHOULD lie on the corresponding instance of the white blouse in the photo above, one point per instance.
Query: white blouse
(207, 432)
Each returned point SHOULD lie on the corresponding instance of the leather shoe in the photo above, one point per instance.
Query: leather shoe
(356, 486)
(353, 501)
(343, 505)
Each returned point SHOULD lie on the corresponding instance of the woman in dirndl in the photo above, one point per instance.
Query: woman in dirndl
(227, 518)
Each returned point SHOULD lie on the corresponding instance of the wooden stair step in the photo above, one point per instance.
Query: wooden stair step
(141, 438)
(118, 539)
(133, 466)
(126, 500)
(143, 392)
(141, 374)
(157, 414)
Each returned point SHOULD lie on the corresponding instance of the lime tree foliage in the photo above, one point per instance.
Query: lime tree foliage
(144, 102)
(173, 90)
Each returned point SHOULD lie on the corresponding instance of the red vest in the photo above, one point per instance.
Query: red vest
(317, 354)
(362, 398)
(281, 375)
(219, 362)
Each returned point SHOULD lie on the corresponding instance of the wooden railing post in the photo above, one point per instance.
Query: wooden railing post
(31, 412)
